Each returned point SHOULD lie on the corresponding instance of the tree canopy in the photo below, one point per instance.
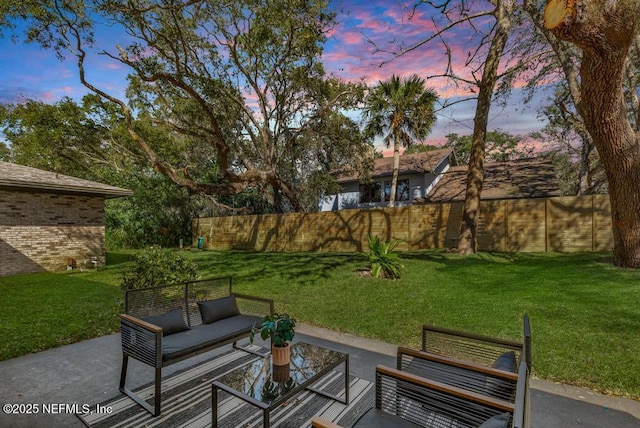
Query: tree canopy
(240, 84)
(500, 146)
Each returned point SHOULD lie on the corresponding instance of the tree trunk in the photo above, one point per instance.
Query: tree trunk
(584, 171)
(467, 243)
(396, 167)
(605, 32)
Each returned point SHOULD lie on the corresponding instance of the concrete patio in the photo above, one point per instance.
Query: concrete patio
(88, 373)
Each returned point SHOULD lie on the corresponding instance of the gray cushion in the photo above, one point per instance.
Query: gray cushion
(506, 362)
(218, 309)
(501, 388)
(206, 335)
(498, 421)
(171, 322)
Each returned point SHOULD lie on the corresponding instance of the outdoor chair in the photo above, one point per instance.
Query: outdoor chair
(457, 380)
(475, 348)
(482, 364)
(406, 400)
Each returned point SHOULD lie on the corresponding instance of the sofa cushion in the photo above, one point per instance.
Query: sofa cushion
(497, 421)
(218, 309)
(206, 335)
(171, 322)
(501, 388)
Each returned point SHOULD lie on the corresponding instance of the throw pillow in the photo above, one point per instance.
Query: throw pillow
(218, 309)
(506, 362)
(497, 421)
(171, 322)
(497, 387)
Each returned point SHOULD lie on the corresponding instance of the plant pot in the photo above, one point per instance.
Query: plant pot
(281, 374)
(281, 356)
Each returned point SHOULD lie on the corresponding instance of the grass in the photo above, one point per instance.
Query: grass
(584, 312)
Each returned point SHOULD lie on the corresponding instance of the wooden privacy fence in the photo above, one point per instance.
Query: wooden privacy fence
(565, 224)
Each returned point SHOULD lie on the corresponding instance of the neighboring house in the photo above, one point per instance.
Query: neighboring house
(47, 219)
(435, 177)
(417, 174)
(516, 179)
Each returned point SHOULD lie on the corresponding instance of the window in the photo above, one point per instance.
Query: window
(370, 192)
(402, 191)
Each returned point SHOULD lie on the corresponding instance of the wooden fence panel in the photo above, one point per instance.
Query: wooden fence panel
(602, 228)
(570, 224)
(528, 225)
(453, 225)
(492, 230)
(429, 226)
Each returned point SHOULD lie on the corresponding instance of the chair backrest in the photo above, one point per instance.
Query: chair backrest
(144, 302)
(467, 346)
(205, 289)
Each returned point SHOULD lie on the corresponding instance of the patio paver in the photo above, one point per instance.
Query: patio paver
(88, 372)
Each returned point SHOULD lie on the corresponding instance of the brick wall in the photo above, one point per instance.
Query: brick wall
(39, 231)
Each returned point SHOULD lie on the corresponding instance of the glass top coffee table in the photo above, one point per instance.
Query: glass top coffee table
(267, 387)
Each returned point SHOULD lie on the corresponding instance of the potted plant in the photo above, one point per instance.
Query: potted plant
(280, 328)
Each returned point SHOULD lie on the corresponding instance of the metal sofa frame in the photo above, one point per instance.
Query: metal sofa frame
(143, 341)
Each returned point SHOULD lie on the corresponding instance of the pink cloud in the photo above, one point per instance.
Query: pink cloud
(351, 37)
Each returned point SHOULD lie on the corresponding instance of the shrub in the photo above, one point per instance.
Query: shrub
(383, 261)
(157, 266)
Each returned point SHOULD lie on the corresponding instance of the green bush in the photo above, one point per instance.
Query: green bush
(157, 266)
(383, 261)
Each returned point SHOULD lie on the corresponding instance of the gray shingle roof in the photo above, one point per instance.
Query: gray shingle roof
(409, 164)
(522, 178)
(13, 176)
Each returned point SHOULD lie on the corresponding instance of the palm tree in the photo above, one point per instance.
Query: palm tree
(400, 110)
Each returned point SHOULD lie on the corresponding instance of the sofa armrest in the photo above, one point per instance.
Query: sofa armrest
(141, 340)
(521, 413)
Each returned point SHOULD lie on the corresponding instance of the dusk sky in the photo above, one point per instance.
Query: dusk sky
(28, 72)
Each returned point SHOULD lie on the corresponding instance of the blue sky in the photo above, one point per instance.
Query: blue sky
(28, 72)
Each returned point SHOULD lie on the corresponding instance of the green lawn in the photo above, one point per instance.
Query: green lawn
(584, 313)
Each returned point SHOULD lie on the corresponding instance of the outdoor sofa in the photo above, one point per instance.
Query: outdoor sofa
(166, 324)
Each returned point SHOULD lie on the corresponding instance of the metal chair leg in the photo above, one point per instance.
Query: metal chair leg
(156, 409)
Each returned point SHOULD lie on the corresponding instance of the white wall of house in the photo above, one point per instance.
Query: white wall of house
(350, 197)
(419, 186)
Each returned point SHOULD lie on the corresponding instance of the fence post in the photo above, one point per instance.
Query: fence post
(547, 219)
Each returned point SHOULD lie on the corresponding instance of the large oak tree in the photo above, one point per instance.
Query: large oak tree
(605, 31)
(242, 79)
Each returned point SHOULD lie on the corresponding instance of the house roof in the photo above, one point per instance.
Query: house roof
(409, 164)
(15, 177)
(522, 178)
